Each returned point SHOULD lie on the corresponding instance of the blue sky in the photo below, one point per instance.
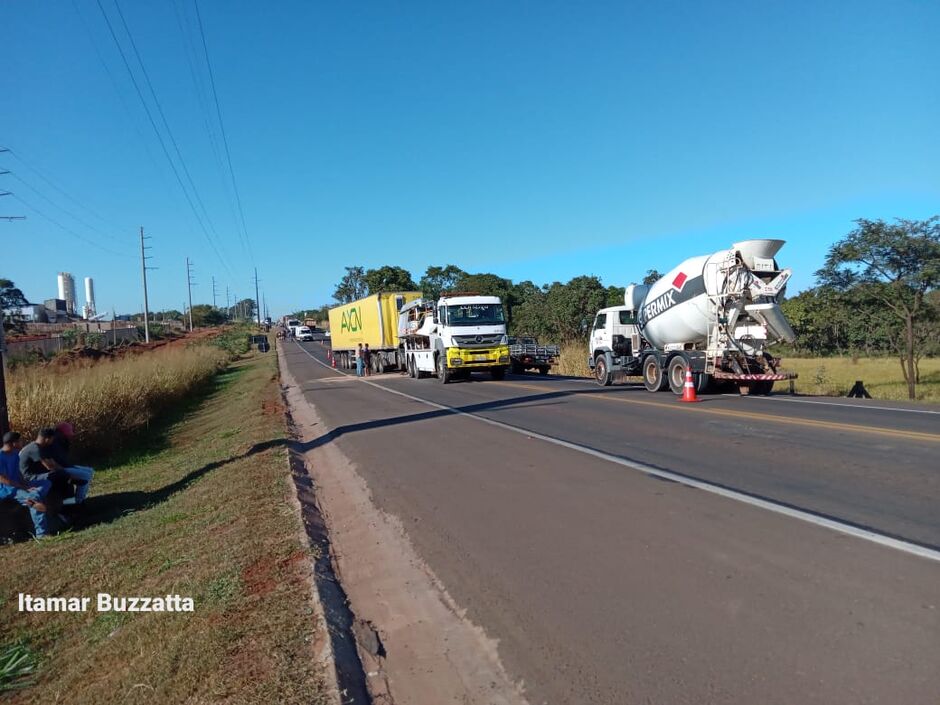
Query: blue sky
(535, 140)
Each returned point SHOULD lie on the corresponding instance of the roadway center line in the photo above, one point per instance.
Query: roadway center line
(799, 514)
(757, 415)
(833, 403)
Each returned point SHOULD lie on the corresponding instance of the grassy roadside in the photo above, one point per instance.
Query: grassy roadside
(203, 512)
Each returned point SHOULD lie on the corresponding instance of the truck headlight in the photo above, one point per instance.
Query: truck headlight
(456, 361)
(504, 358)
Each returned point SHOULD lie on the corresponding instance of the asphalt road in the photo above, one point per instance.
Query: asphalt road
(607, 585)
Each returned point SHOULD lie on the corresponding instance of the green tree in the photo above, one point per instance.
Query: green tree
(652, 276)
(388, 278)
(529, 315)
(571, 307)
(11, 298)
(897, 265)
(439, 279)
(206, 315)
(352, 286)
(489, 285)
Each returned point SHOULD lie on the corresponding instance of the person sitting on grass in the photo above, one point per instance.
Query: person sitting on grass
(13, 486)
(37, 465)
(79, 475)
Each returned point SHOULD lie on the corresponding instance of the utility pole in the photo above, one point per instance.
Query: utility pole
(228, 303)
(143, 269)
(213, 291)
(4, 412)
(257, 298)
(189, 289)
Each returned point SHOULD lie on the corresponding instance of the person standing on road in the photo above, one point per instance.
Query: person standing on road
(359, 361)
(367, 362)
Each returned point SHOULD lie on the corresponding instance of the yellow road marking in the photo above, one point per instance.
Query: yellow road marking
(753, 416)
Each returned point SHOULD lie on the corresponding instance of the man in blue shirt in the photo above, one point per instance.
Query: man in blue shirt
(12, 485)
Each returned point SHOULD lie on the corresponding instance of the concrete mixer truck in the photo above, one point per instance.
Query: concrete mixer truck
(715, 315)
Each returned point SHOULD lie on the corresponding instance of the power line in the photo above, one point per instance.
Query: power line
(67, 212)
(160, 139)
(166, 124)
(218, 110)
(69, 230)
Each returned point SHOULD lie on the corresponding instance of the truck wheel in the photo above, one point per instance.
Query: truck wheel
(543, 370)
(516, 368)
(677, 367)
(498, 373)
(763, 387)
(703, 382)
(653, 378)
(443, 374)
(602, 372)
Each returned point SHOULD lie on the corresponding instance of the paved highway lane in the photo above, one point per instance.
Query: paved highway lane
(606, 586)
(872, 467)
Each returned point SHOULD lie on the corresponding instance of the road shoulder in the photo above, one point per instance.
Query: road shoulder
(414, 641)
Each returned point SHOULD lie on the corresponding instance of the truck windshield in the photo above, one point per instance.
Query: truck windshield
(475, 315)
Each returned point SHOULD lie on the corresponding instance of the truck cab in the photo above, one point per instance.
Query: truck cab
(615, 343)
(454, 336)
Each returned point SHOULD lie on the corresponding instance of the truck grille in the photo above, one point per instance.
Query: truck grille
(470, 341)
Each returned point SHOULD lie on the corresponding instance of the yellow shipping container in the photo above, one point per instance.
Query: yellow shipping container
(372, 320)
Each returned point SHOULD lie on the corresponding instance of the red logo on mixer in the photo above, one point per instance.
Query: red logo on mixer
(679, 281)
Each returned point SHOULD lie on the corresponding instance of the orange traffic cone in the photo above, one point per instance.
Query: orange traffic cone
(688, 391)
(333, 360)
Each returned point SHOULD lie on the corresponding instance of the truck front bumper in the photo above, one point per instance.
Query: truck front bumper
(460, 358)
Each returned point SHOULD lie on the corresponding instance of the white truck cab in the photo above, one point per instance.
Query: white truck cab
(454, 336)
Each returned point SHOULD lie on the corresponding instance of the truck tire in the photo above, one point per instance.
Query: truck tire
(653, 378)
(703, 382)
(762, 388)
(543, 370)
(602, 372)
(498, 373)
(443, 374)
(676, 374)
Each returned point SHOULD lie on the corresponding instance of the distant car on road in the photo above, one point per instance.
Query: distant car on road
(303, 333)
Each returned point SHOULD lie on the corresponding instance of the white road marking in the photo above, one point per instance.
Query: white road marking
(832, 524)
(835, 403)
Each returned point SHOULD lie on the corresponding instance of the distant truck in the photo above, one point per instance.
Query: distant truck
(715, 315)
(454, 336)
(372, 320)
(526, 354)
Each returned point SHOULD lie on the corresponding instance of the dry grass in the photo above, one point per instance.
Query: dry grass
(109, 401)
(203, 513)
(834, 376)
(827, 376)
(572, 360)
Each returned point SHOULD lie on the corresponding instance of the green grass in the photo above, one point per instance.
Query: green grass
(834, 376)
(198, 511)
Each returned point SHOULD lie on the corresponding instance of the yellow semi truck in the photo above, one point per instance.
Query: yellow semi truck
(373, 321)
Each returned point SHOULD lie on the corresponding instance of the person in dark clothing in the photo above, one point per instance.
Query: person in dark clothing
(367, 360)
(79, 475)
(37, 464)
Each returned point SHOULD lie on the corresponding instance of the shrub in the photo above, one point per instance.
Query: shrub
(111, 400)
